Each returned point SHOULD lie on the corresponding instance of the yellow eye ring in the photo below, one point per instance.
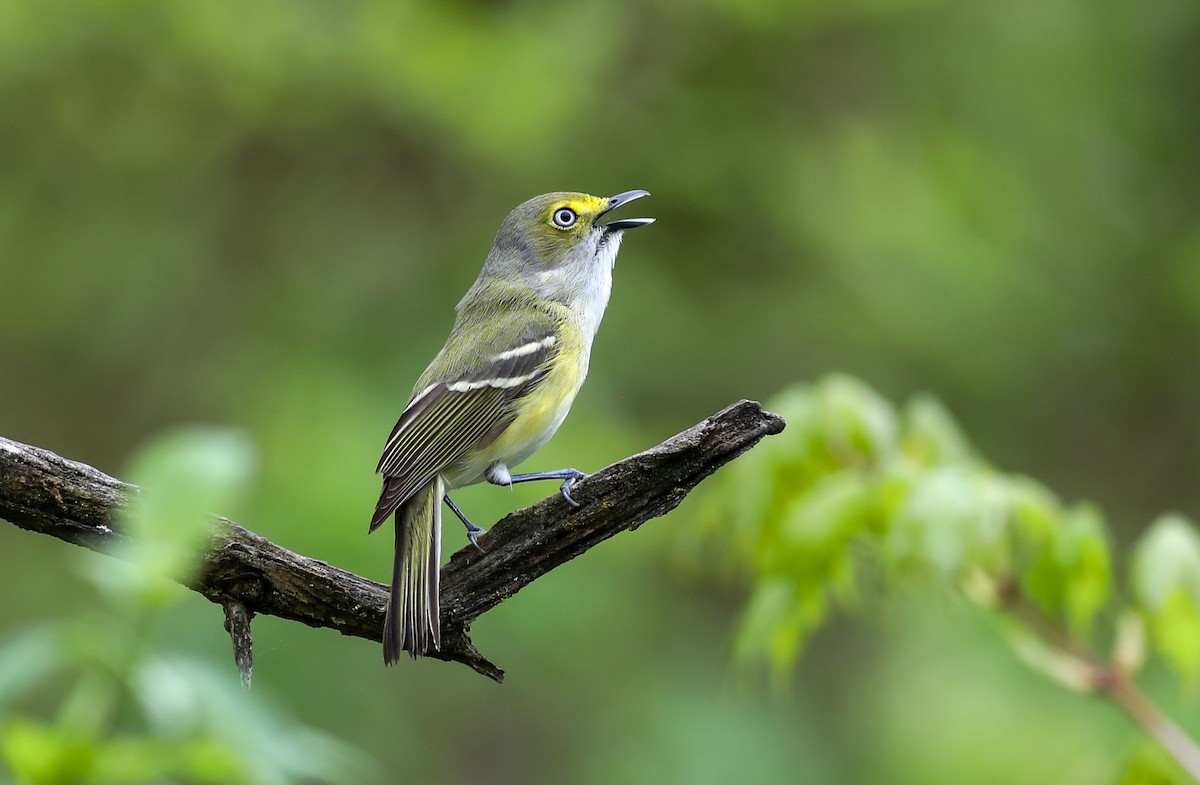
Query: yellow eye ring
(564, 218)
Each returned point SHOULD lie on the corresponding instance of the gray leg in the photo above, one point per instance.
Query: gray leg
(473, 531)
(568, 476)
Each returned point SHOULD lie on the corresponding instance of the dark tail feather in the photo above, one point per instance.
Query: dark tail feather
(389, 502)
(412, 622)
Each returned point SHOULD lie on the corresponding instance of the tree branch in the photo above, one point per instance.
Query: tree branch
(45, 493)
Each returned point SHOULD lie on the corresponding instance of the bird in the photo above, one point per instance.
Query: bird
(500, 387)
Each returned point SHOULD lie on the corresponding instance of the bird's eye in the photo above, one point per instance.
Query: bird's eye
(564, 217)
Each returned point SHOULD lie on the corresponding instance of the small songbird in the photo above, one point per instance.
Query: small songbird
(498, 389)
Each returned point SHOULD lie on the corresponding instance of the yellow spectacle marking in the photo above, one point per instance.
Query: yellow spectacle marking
(584, 204)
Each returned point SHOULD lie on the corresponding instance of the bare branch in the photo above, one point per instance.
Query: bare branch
(45, 493)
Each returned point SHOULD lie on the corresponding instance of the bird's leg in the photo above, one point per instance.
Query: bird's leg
(497, 474)
(473, 531)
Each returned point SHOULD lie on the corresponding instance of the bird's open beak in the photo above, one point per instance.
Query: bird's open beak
(625, 223)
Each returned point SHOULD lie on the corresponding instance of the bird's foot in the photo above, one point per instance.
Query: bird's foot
(569, 483)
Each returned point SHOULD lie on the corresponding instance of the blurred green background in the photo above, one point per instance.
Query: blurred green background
(262, 215)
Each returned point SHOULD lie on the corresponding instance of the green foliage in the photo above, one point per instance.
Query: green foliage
(44, 753)
(1148, 764)
(92, 701)
(185, 476)
(1166, 586)
(854, 493)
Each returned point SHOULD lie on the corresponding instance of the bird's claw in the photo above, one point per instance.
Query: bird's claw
(568, 484)
(473, 533)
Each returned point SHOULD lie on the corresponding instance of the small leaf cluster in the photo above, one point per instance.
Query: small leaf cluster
(857, 493)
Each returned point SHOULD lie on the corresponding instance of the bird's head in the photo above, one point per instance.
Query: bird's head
(559, 243)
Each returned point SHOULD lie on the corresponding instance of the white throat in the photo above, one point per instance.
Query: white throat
(586, 291)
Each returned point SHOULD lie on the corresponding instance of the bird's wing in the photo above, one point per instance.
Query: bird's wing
(459, 411)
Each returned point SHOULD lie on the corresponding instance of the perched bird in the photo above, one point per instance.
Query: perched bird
(498, 389)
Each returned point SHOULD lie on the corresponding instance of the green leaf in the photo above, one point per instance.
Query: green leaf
(952, 514)
(185, 477)
(1070, 573)
(819, 525)
(1166, 559)
(858, 425)
(931, 435)
(1036, 515)
(1175, 630)
(777, 621)
(1150, 764)
(1088, 558)
(1166, 586)
(38, 753)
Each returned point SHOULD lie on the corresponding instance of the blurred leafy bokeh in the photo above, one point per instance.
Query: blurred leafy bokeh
(92, 700)
(261, 216)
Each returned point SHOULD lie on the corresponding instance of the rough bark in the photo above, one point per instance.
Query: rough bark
(247, 574)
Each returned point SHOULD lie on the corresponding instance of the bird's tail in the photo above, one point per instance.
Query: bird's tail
(412, 622)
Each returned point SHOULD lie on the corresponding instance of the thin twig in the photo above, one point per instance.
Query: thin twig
(1104, 677)
(1134, 702)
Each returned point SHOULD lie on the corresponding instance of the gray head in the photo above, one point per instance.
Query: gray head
(558, 245)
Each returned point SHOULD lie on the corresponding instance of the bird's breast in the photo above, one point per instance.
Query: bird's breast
(537, 415)
(542, 411)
